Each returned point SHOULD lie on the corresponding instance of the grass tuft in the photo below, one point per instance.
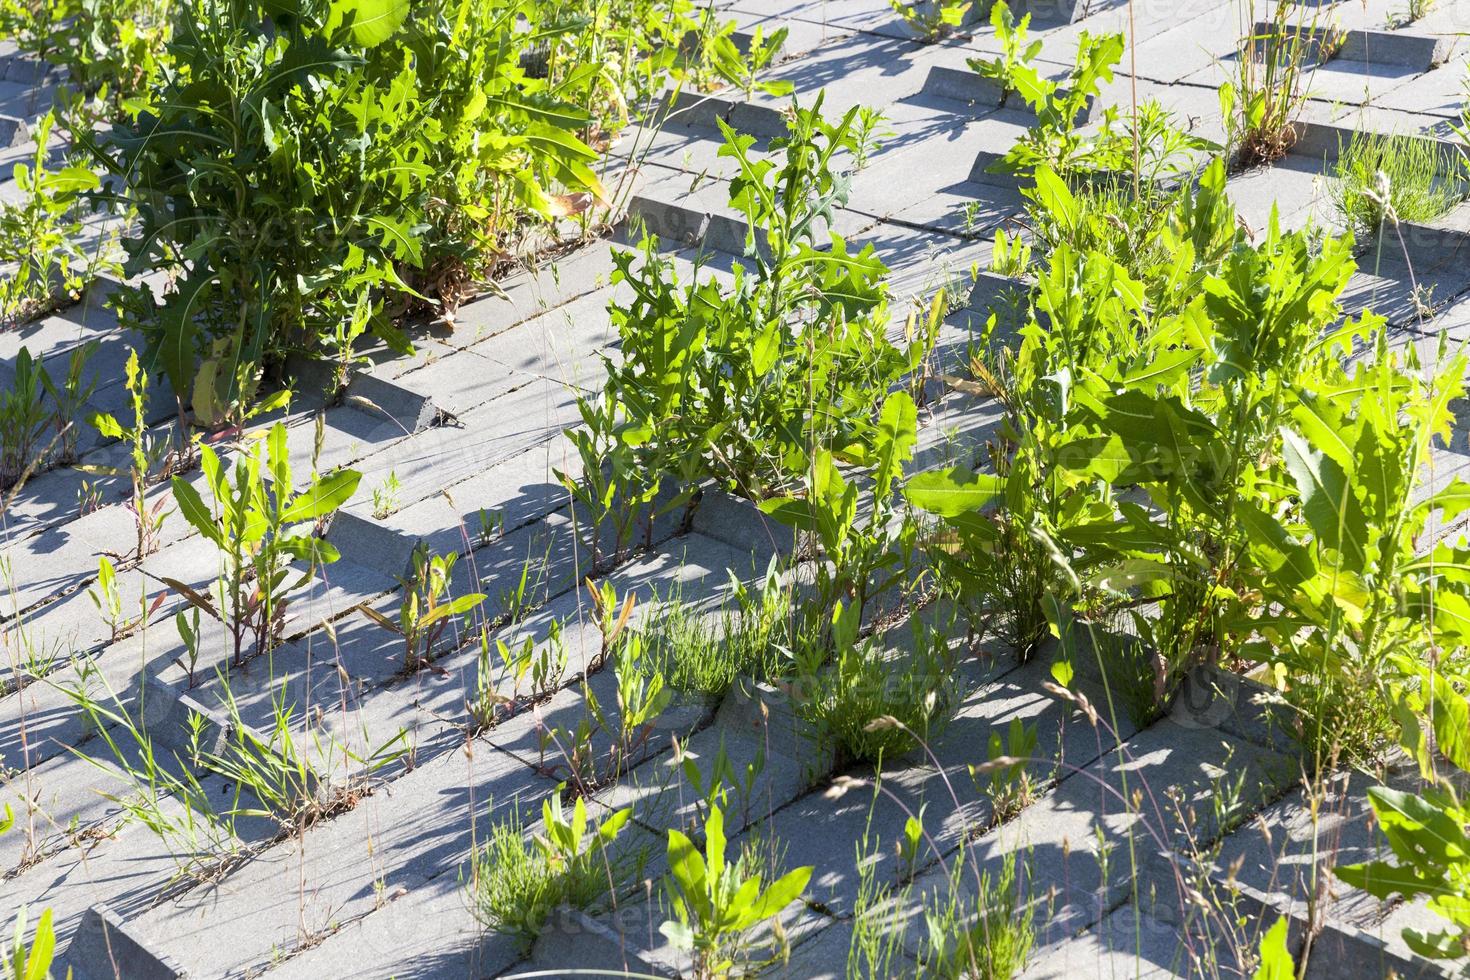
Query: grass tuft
(1382, 179)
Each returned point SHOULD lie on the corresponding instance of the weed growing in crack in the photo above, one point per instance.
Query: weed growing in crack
(42, 230)
(146, 455)
(107, 597)
(1005, 777)
(932, 19)
(799, 334)
(516, 883)
(385, 497)
(1413, 10)
(718, 899)
(871, 706)
(1379, 179)
(1273, 66)
(29, 960)
(703, 652)
(991, 940)
(742, 69)
(259, 525)
(23, 421)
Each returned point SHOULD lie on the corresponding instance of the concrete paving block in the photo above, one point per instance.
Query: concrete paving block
(525, 568)
(353, 688)
(1344, 953)
(43, 721)
(125, 866)
(27, 70)
(104, 947)
(958, 427)
(414, 829)
(1281, 861)
(670, 220)
(1419, 297)
(444, 455)
(1434, 242)
(410, 409)
(1184, 783)
(349, 435)
(50, 634)
(548, 344)
(1439, 92)
(1220, 699)
(561, 279)
(55, 497)
(1127, 943)
(573, 937)
(463, 380)
(920, 264)
(1289, 189)
(428, 933)
(964, 85)
(54, 804)
(823, 955)
(1006, 297)
(683, 144)
(991, 138)
(739, 523)
(362, 539)
(763, 712)
(500, 499)
(540, 735)
(1408, 48)
(64, 558)
(662, 798)
(1357, 81)
(848, 69)
(13, 131)
(332, 592)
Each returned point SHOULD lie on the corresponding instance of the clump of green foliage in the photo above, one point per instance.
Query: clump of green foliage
(718, 900)
(871, 706)
(517, 882)
(705, 653)
(259, 525)
(932, 19)
(1428, 832)
(326, 166)
(111, 50)
(1140, 150)
(757, 385)
(991, 942)
(1196, 441)
(37, 403)
(1382, 179)
(1274, 64)
(41, 232)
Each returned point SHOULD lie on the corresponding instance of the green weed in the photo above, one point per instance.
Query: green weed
(1382, 179)
(517, 883)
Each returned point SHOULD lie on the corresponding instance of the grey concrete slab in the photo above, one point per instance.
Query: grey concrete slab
(127, 866)
(520, 298)
(509, 494)
(406, 833)
(425, 933)
(1126, 943)
(481, 438)
(64, 558)
(1125, 827)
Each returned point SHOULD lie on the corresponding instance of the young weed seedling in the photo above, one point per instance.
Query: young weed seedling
(259, 525)
(718, 901)
(427, 608)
